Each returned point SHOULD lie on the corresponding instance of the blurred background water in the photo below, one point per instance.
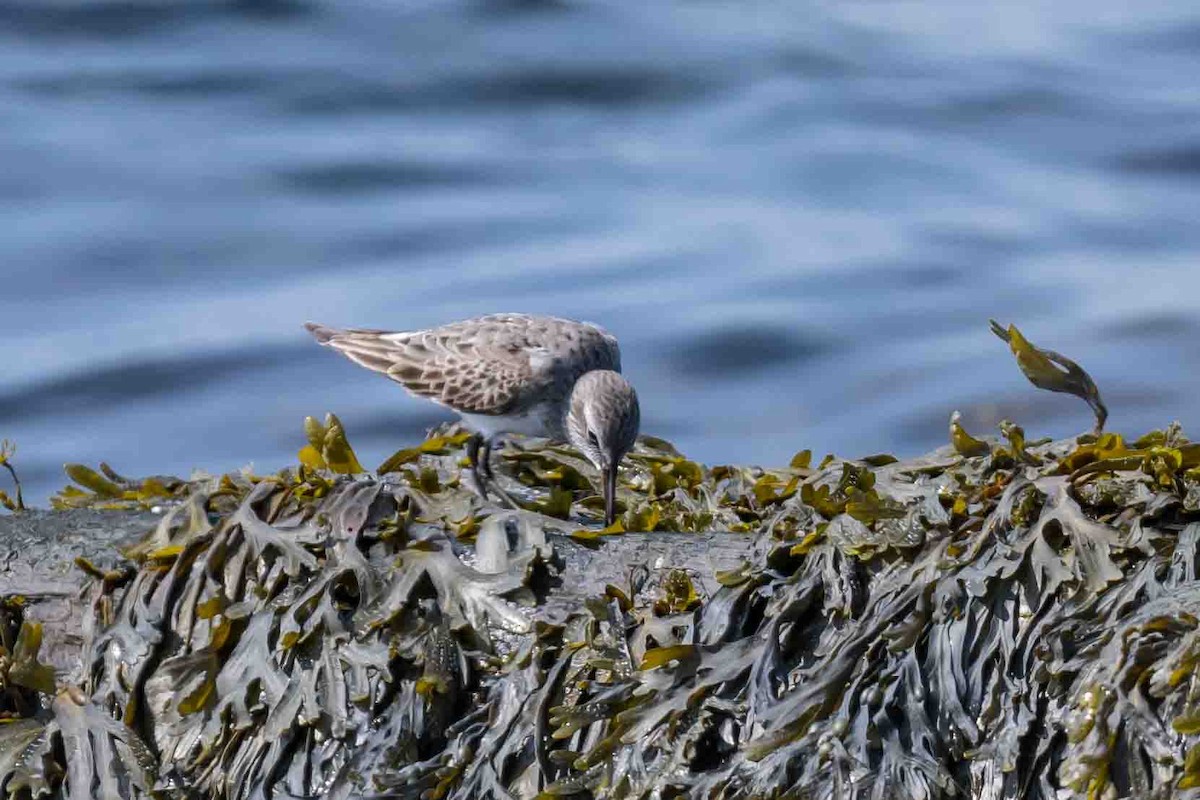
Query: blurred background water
(797, 216)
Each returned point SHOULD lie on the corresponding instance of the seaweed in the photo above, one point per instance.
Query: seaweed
(7, 451)
(41, 721)
(327, 447)
(22, 676)
(1005, 617)
(964, 443)
(106, 489)
(983, 623)
(1053, 371)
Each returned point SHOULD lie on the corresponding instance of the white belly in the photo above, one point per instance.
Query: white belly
(536, 421)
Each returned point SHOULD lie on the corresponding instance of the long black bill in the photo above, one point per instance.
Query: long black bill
(610, 494)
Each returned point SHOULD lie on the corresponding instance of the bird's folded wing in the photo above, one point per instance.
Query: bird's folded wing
(476, 377)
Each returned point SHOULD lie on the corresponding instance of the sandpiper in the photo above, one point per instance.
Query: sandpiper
(512, 373)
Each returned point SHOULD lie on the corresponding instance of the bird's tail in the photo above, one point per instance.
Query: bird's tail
(365, 346)
(322, 333)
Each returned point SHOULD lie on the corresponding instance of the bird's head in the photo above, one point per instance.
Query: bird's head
(602, 423)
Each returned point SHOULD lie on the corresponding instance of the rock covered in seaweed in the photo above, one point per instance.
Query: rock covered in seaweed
(1020, 622)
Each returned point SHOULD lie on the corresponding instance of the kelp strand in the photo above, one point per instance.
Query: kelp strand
(1001, 620)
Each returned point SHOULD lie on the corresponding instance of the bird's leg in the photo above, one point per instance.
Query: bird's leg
(485, 458)
(485, 455)
(479, 453)
(473, 456)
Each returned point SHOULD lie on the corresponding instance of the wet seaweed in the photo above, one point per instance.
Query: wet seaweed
(1017, 620)
(1053, 371)
(106, 489)
(1002, 618)
(17, 503)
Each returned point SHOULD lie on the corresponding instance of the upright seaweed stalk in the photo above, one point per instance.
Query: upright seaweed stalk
(1053, 371)
(7, 451)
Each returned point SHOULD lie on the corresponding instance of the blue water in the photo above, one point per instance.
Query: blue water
(797, 216)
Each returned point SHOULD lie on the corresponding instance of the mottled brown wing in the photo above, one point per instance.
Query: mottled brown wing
(453, 366)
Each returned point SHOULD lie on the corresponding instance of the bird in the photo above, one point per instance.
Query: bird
(512, 374)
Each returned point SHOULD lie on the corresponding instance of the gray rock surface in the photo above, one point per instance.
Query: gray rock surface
(38, 551)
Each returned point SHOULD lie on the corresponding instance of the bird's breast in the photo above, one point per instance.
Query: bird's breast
(539, 420)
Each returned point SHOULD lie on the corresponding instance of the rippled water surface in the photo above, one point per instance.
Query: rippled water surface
(796, 216)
